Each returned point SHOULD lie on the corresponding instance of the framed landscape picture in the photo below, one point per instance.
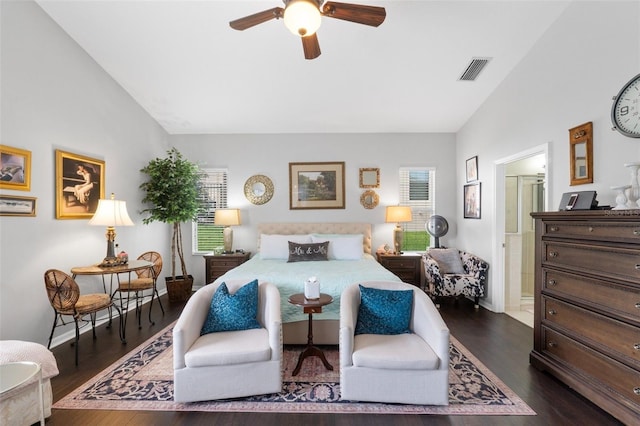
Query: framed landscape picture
(14, 205)
(15, 168)
(79, 185)
(316, 185)
(472, 201)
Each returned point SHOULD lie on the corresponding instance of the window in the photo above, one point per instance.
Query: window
(205, 235)
(417, 187)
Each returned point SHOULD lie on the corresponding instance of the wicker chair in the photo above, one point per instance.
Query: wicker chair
(146, 280)
(64, 295)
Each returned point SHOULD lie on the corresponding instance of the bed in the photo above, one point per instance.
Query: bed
(350, 261)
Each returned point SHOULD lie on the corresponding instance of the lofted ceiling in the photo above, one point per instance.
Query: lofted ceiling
(180, 60)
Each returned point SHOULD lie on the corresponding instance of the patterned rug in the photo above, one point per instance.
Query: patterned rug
(143, 380)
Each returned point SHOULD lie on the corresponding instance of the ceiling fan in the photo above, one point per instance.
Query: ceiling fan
(302, 17)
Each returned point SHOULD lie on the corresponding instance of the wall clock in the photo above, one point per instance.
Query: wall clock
(258, 189)
(625, 112)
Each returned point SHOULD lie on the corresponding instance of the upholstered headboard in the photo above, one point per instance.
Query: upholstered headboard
(292, 228)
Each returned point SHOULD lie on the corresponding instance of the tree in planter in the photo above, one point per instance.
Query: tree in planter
(173, 191)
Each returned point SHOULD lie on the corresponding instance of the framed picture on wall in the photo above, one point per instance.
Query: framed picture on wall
(14, 205)
(316, 185)
(15, 168)
(472, 169)
(79, 185)
(472, 201)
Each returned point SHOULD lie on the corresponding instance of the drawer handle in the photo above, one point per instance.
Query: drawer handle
(553, 229)
(636, 346)
(591, 229)
(552, 282)
(555, 254)
(638, 266)
(636, 232)
(552, 344)
(552, 312)
(638, 305)
(636, 391)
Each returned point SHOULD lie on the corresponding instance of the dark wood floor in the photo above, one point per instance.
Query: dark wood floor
(500, 342)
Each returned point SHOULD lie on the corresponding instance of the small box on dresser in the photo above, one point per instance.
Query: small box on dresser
(587, 305)
(217, 265)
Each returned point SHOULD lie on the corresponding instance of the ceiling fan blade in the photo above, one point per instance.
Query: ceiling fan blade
(311, 46)
(360, 14)
(256, 18)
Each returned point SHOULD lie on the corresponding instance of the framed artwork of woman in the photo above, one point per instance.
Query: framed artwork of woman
(79, 185)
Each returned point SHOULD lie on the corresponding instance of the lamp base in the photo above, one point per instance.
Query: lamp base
(227, 235)
(398, 236)
(112, 261)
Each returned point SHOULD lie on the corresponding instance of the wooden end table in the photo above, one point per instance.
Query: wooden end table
(311, 307)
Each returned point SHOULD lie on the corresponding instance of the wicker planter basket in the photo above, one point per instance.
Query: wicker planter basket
(180, 289)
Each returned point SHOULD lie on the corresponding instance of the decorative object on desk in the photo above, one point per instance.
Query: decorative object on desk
(370, 178)
(258, 189)
(369, 199)
(316, 185)
(621, 197)
(625, 111)
(472, 169)
(438, 227)
(79, 185)
(227, 218)
(397, 215)
(174, 194)
(15, 168)
(124, 257)
(14, 205)
(633, 194)
(111, 213)
(472, 201)
(581, 154)
(312, 288)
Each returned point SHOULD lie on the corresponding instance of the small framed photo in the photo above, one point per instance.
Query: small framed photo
(13, 205)
(369, 178)
(472, 201)
(15, 168)
(79, 185)
(316, 185)
(472, 169)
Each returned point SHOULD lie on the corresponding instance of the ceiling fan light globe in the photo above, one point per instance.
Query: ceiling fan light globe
(302, 17)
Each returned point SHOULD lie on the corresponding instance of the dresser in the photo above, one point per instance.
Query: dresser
(216, 265)
(587, 305)
(407, 266)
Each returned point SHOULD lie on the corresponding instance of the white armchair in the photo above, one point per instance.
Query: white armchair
(402, 368)
(227, 364)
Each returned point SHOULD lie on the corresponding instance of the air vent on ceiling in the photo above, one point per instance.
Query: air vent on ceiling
(474, 68)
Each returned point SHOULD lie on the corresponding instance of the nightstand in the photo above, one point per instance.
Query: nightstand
(407, 266)
(218, 264)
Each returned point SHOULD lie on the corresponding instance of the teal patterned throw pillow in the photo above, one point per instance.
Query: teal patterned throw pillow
(233, 312)
(384, 311)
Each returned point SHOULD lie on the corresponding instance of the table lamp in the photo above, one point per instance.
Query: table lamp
(398, 214)
(227, 218)
(111, 213)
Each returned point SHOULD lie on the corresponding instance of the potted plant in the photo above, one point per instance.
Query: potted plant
(173, 193)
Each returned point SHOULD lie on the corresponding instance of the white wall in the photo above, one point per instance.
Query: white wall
(54, 96)
(247, 155)
(567, 79)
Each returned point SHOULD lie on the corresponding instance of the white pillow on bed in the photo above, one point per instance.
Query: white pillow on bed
(275, 246)
(342, 246)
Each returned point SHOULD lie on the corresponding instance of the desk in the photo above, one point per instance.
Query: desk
(311, 307)
(15, 374)
(127, 268)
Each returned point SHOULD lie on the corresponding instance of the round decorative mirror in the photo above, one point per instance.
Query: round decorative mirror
(258, 189)
(369, 199)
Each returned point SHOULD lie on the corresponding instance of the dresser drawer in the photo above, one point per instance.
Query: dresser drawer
(597, 231)
(599, 260)
(224, 264)
(623, 301)
(622, 381)
(615, 337)
(397, 264)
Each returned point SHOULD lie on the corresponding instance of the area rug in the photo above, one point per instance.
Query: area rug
(143, 380)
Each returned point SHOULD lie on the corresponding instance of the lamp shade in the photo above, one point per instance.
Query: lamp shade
(397, 214)
(302, 17)
(227, 217)
(111, 213)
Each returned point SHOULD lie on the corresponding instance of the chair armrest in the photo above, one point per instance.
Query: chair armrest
(475, 266)
(349, 305)
(187, 328)
(427, 323)
(270, 316)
